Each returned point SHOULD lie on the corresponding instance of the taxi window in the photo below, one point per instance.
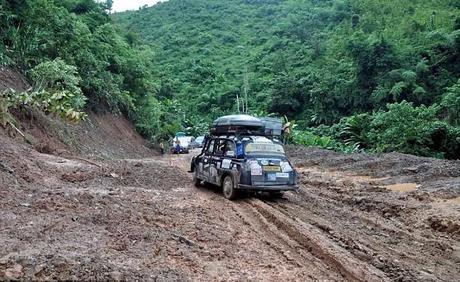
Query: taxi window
(210, 148)
(225, 148)
(264, 148)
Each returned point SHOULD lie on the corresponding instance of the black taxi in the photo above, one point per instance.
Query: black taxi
(243, 154)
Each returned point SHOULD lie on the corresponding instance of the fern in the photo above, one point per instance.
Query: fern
(397, 90)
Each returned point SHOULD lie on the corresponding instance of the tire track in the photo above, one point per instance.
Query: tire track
(382, 242)
(319, 245)
(289, 249)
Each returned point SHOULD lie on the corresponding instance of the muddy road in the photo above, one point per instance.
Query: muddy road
(356, 218)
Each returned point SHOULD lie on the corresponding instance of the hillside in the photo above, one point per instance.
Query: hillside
(100, 135)
(351, 76)
(76, 61)
(315, 62)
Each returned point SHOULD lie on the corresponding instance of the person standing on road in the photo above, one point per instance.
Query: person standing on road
(177, 148)
(162, 149)
(286, 132)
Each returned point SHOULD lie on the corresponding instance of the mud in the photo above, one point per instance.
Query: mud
(12, 79)
(102, 136)
(402, 187)
(74, 217)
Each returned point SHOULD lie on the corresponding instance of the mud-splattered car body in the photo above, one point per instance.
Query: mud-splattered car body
(254, 163)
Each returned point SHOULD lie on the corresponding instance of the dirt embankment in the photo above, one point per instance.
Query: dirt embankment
(11, 79)
(99, 136)
(102, 136)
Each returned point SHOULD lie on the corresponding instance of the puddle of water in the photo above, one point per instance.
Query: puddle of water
(454, 201)
(448, 203)
(342, 175)
(363, 178)
(402, 187)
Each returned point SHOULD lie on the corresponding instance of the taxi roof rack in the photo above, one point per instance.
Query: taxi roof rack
(243, 125)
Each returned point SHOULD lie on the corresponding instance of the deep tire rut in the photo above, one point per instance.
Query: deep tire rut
(319, 245)
(293, 253)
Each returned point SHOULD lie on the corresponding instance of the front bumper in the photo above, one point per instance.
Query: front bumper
(267, 187)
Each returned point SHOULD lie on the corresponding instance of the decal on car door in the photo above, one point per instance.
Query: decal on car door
(226, 163)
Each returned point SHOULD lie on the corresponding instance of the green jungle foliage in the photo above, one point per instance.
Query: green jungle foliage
(56, 92)
(76, 58)
(354, 75)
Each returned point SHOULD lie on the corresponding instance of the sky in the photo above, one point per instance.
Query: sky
(123, 5)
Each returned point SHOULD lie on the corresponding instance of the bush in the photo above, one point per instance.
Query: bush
(61, 81)
(450, 104)
(353, 130)
(403, 128)
(310, 139)
(412, 130)
(452, 143)
(57, 90)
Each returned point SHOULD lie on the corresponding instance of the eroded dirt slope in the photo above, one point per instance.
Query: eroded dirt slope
(126, 219)
(11, 79)
(101, 135)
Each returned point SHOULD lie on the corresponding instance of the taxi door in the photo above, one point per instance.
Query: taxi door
(208, 161)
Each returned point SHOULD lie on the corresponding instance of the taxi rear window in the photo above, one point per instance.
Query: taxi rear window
(258, 148)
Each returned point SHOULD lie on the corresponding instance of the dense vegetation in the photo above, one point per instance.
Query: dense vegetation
(350, 74)
(354, 74)
(78, 60)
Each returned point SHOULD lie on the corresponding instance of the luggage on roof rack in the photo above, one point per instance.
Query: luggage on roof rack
(237, 124)
(246, 125)
(272, 126)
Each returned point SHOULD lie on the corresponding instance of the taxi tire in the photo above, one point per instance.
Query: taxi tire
(228, 188)
(196, 180)
(276, 195)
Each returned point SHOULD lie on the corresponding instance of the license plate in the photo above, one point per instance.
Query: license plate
(272, 168)
(282, 175)
(271, 177)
